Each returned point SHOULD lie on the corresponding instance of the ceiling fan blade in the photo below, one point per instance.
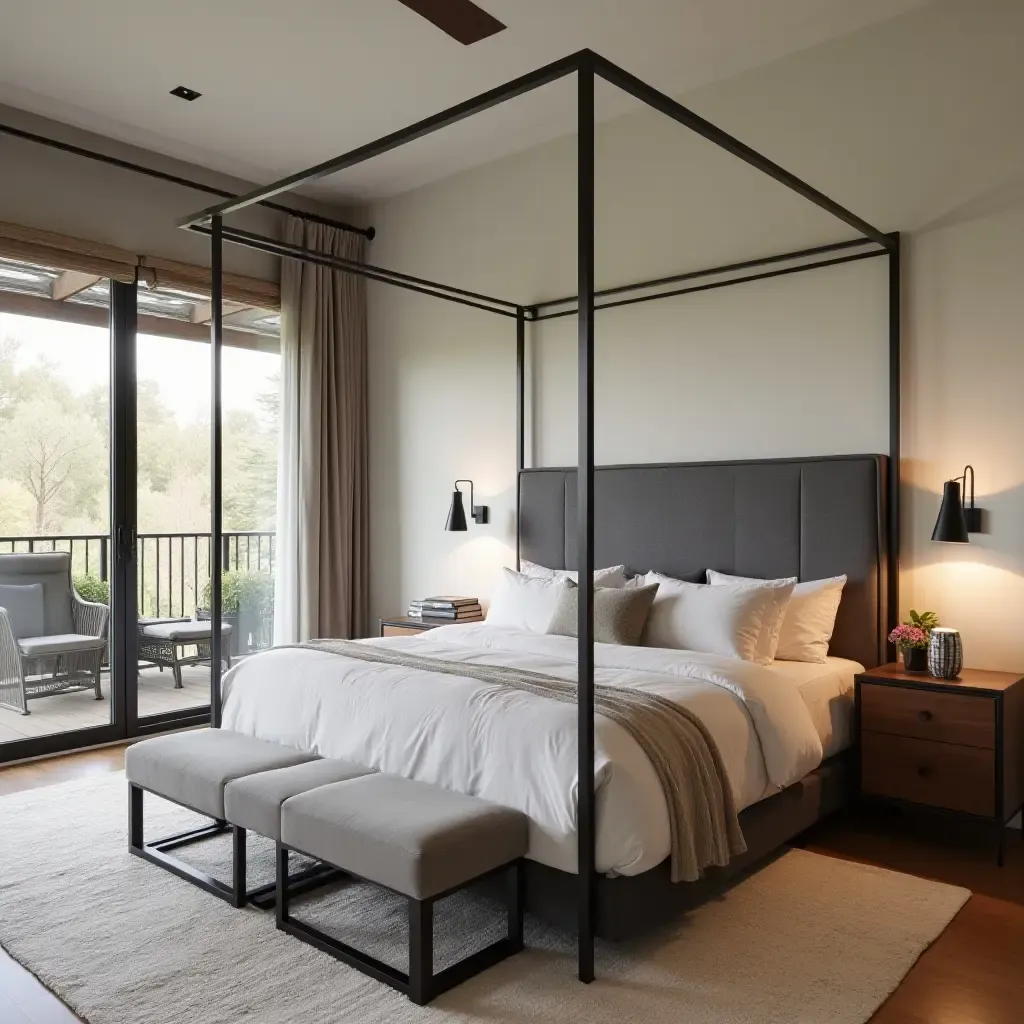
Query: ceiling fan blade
(461, 19)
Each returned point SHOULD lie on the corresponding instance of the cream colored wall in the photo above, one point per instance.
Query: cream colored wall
(913, 124)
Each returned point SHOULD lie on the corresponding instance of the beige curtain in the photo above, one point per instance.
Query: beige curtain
(322, 574)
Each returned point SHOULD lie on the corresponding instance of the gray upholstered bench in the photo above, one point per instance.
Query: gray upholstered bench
(417, 840)
(192, 769)
(253, 803)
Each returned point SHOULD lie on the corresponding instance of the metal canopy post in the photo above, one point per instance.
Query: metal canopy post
(895, 407)
(216, 466)
(585, 830)
(520, 417)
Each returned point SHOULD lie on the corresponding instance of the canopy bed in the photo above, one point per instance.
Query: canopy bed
(802, 518)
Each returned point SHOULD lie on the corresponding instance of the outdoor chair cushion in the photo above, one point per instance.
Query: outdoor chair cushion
(24, 606)
(254, 801)
(51, 569)
(184, 632)
(62, 643)
(192, 768)
(412, 837)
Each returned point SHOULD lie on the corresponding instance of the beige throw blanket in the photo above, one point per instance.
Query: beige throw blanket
(705, 830)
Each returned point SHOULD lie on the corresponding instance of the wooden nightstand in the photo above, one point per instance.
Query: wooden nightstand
(954, 744)
(406, 625)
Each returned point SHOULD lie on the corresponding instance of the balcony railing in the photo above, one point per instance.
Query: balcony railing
(173, 568)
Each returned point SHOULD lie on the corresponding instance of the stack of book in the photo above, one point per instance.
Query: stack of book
(454, 609)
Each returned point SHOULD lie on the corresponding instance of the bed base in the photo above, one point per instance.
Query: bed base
(632, 905)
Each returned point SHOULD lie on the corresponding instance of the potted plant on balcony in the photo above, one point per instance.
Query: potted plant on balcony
(247, 603)
(91, 588)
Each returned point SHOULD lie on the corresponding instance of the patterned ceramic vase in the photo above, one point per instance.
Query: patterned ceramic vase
(945, 653)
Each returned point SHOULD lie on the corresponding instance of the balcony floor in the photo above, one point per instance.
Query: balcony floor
(64, 712)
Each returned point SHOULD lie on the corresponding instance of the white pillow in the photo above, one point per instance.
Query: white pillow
(771, 630)
(525, 602)
(613, 576)
(809, 620)
(699, 617)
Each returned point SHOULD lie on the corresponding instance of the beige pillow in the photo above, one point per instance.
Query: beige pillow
(620, 614)
(810, 616)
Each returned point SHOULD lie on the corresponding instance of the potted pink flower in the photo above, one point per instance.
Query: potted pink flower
(911, 640)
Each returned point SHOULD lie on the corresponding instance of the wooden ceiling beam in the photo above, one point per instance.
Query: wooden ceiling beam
(99, 316)
(71, 282)
(202, 312)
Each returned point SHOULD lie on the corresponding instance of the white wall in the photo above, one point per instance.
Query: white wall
(56, 191)
(915, 125)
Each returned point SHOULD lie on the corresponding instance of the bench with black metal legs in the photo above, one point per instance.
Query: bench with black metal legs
(198, 770)
(419, 841)
(253, 803)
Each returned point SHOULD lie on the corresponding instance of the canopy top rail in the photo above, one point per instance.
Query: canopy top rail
(583, 62)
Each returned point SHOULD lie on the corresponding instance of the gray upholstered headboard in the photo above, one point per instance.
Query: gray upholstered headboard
(808, 518)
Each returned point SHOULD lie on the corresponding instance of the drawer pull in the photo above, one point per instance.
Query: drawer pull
(924, 716)
(924, 771)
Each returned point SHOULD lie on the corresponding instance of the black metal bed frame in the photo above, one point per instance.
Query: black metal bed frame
(586, 65)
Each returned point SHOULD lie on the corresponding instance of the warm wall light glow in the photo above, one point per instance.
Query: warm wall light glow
(981, 601)
(474, 566)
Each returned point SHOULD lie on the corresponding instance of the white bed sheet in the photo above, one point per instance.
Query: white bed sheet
(518, 749)
(827, 690)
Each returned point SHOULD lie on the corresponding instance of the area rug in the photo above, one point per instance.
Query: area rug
(807, 939)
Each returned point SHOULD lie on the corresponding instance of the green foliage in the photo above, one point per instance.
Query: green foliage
(247, 589)
(923, 620)
(54, 454)
(92, 588)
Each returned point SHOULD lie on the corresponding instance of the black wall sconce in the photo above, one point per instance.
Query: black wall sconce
(457, 513)
(956, 518)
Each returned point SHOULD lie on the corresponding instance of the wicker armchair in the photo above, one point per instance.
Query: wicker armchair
(51, 641)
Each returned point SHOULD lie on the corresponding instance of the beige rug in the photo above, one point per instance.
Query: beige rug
(807, 940)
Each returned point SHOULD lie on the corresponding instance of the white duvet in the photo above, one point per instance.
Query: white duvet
(518, 749)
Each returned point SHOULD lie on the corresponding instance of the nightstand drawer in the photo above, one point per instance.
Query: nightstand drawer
(925, 772)
(927, 715)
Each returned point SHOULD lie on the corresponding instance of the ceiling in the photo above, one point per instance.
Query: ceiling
(288, 85)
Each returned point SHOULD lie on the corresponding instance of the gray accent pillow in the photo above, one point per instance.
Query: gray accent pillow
(620, 613)
(24, 606)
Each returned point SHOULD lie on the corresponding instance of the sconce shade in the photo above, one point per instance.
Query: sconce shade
(456, 514)
(951, 526)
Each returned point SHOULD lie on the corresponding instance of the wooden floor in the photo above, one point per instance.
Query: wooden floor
(64, 712)
(973, 974)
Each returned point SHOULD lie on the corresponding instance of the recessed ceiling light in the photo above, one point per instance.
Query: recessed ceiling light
(183, 92)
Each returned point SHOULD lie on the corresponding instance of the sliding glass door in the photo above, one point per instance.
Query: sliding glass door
(105, 467)
(172, 551)
(60, 682)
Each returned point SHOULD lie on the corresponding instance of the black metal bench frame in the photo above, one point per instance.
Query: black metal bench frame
(158, 852)
(420, 984)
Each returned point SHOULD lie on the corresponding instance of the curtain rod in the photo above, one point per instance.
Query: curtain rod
(174, 179)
